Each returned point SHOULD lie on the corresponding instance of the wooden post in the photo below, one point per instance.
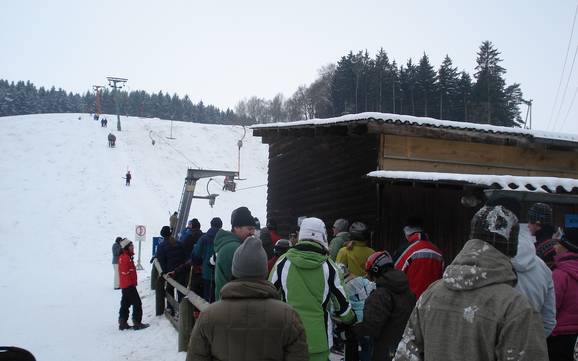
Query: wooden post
(154, 277)
(160, 296)
(186, 323)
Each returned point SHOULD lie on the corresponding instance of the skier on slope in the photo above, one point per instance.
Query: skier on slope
(128, 178)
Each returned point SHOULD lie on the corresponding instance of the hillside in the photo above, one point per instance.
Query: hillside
(63, 203)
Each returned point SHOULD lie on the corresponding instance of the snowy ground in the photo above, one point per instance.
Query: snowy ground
(63, 201)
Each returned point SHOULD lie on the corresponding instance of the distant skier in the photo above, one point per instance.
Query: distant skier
(111, 140)
(127, 177)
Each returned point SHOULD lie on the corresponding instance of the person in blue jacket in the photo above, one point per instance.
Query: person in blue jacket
(203, 250)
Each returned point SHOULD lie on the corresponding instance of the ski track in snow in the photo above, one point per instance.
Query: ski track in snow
(63, 201)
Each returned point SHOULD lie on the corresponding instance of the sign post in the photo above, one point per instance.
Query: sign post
(140, 236)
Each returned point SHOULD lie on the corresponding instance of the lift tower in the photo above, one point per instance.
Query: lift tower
(116, 84)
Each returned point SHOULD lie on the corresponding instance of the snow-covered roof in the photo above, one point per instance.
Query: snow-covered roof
(421, 121)
(506, 182)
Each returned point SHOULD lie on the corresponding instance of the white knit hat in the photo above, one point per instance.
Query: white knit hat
(313, 229)
(125, 242)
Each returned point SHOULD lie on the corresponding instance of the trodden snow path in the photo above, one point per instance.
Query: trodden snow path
(62, 203)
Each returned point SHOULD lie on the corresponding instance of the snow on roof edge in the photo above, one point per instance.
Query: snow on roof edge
(504, 181)
(423, 121)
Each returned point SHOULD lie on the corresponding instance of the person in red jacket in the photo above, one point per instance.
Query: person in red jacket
(128, 282)
(420, 260)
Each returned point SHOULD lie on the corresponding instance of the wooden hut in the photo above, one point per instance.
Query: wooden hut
(384, 168)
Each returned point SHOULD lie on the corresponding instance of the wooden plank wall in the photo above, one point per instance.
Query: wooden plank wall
(322, 177)
(445, 220)
(442, 155)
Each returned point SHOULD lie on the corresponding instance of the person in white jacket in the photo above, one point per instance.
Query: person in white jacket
(535, 279)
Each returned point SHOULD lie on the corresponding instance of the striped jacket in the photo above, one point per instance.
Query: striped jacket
(422, 263)
(310, 282)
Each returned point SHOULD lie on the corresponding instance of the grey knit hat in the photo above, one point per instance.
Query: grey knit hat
(540, 213)
(359, 231)
(250, 260)
(497, 226)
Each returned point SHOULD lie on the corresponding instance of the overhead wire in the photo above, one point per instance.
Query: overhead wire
(565, 89)
(563, 67)
(569, 109)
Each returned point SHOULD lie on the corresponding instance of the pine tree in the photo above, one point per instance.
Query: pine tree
(446, 88)
(426, 86)
(490, 100)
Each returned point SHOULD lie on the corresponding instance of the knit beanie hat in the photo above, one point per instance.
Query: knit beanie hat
(216, 222)
(250, 260)
(570, 239)
(242, 217)
(358, 231)
(281, 247)
(497, 226)
(540, 213)
(194, 223)
(412, 225)
(125, 242)
(510, 203)
(165, 231)
(313, 229)
(341, 225)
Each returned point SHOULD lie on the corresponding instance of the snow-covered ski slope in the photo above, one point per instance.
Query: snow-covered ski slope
(62, 203)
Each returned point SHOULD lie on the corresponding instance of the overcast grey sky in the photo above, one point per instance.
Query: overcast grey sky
(224, 51)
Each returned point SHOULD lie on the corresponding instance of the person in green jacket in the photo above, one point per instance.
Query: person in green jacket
(226, 243)
(309, 281)
(340, 237)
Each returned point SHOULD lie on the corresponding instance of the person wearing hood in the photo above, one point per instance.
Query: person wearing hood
(474, 308)
(308, 279)
(243, 226)
(534, 276)
(535, 280)
(128, 282)
(540, 226)
(204, 249)
(565, 275)
(249, 322)
(357, 251)
(387, 308)
(340, 237)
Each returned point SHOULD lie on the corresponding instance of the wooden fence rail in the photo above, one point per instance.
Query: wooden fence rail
(190, 303)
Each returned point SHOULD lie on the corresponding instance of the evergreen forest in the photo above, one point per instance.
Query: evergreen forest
(356, 83)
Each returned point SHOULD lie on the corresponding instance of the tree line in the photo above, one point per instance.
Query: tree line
(24, 98)
(359, 83)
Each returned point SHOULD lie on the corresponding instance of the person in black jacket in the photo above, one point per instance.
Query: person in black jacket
(172, 258)
(387, 308)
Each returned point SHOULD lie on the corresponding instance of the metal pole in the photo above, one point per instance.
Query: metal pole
(138, 265)
(118, 117)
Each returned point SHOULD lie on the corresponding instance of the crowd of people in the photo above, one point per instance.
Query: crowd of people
(510, 293)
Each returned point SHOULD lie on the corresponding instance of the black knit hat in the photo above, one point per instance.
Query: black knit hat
(570, 239)
(242, 217)
(497, 226)
(195, 224)
(540, 213)
(358, 231)
(165, 231)
(216, 222)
